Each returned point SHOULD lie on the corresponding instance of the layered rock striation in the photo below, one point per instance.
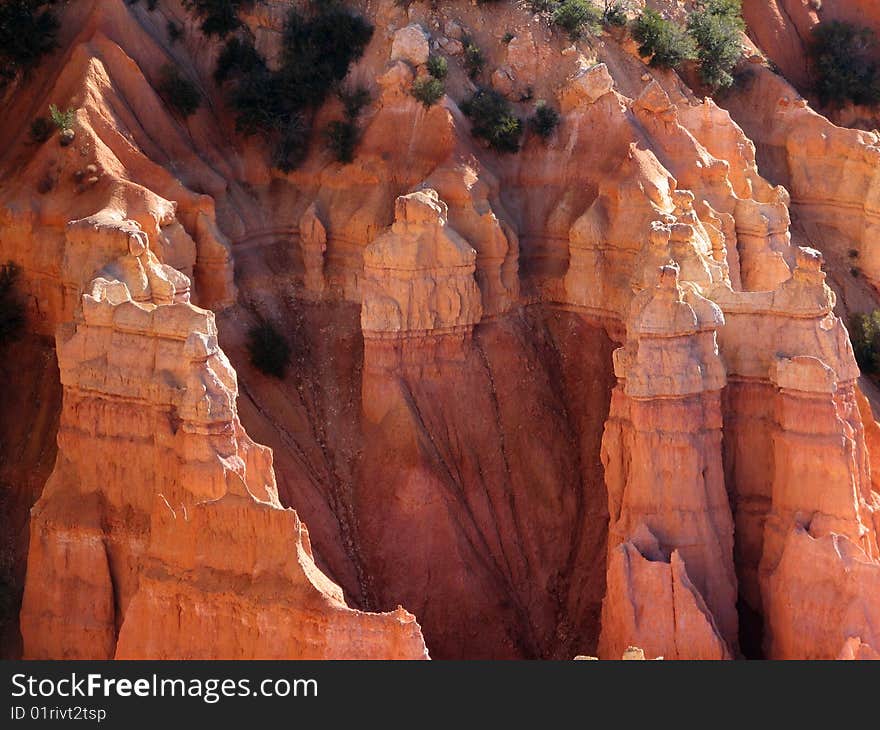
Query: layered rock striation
(594, 395)
(671, 578)
(158, 489)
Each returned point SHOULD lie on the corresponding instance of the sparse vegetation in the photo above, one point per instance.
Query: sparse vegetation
(354, 100)
(544, 121)
(318, 49)
(493, 120)
(577, 17)
(844, 66)
(666, 43)
(12, 312)
(63, 120)
(614, 14)
(238, 57)
(428, 90)
(179, 92)
(438, 67)
(41, 129)
(10, 585)
(716, 26)
(219, 17)
(342, 135)
(342, 138)
(864, 333)
(28, 31)
(175, 32)
(474, 59)
(269, 350)
(292, 144)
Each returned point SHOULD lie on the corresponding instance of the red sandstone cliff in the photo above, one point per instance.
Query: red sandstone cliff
(588, 396)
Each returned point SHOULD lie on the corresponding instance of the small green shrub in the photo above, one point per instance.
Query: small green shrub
(62, 119)
(259, 105)
(219, 17)
(544, 121)
(317, 50)
(438, 67)
(577, 18)
(667, 43)
(237, 57)
(269, 350)
(864, 333)
(474, 59)
(355, 100)
(844, 66)
(28, 32)
(179, 92)
(428, 90)
(614, 15)
(12, 311)
(542, 6)
(493, 120)
(292, 144)
(175, 32)
(342, 138)
(716, 27)
(41, 129)
(507, 37)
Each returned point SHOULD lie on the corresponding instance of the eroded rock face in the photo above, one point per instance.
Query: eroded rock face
(496, 414)
(671, 536)
(830, 171)
(823, 511)
(419, 277)
(106, 517)
(191, 587)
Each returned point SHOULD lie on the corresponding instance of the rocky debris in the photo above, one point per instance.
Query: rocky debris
(631, 654)
(586, 86)
(411, 45)
(451, 46)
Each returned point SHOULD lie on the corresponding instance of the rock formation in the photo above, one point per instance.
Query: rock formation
(419, 277)
(592, 395)
(671, 582)
(149, 421)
